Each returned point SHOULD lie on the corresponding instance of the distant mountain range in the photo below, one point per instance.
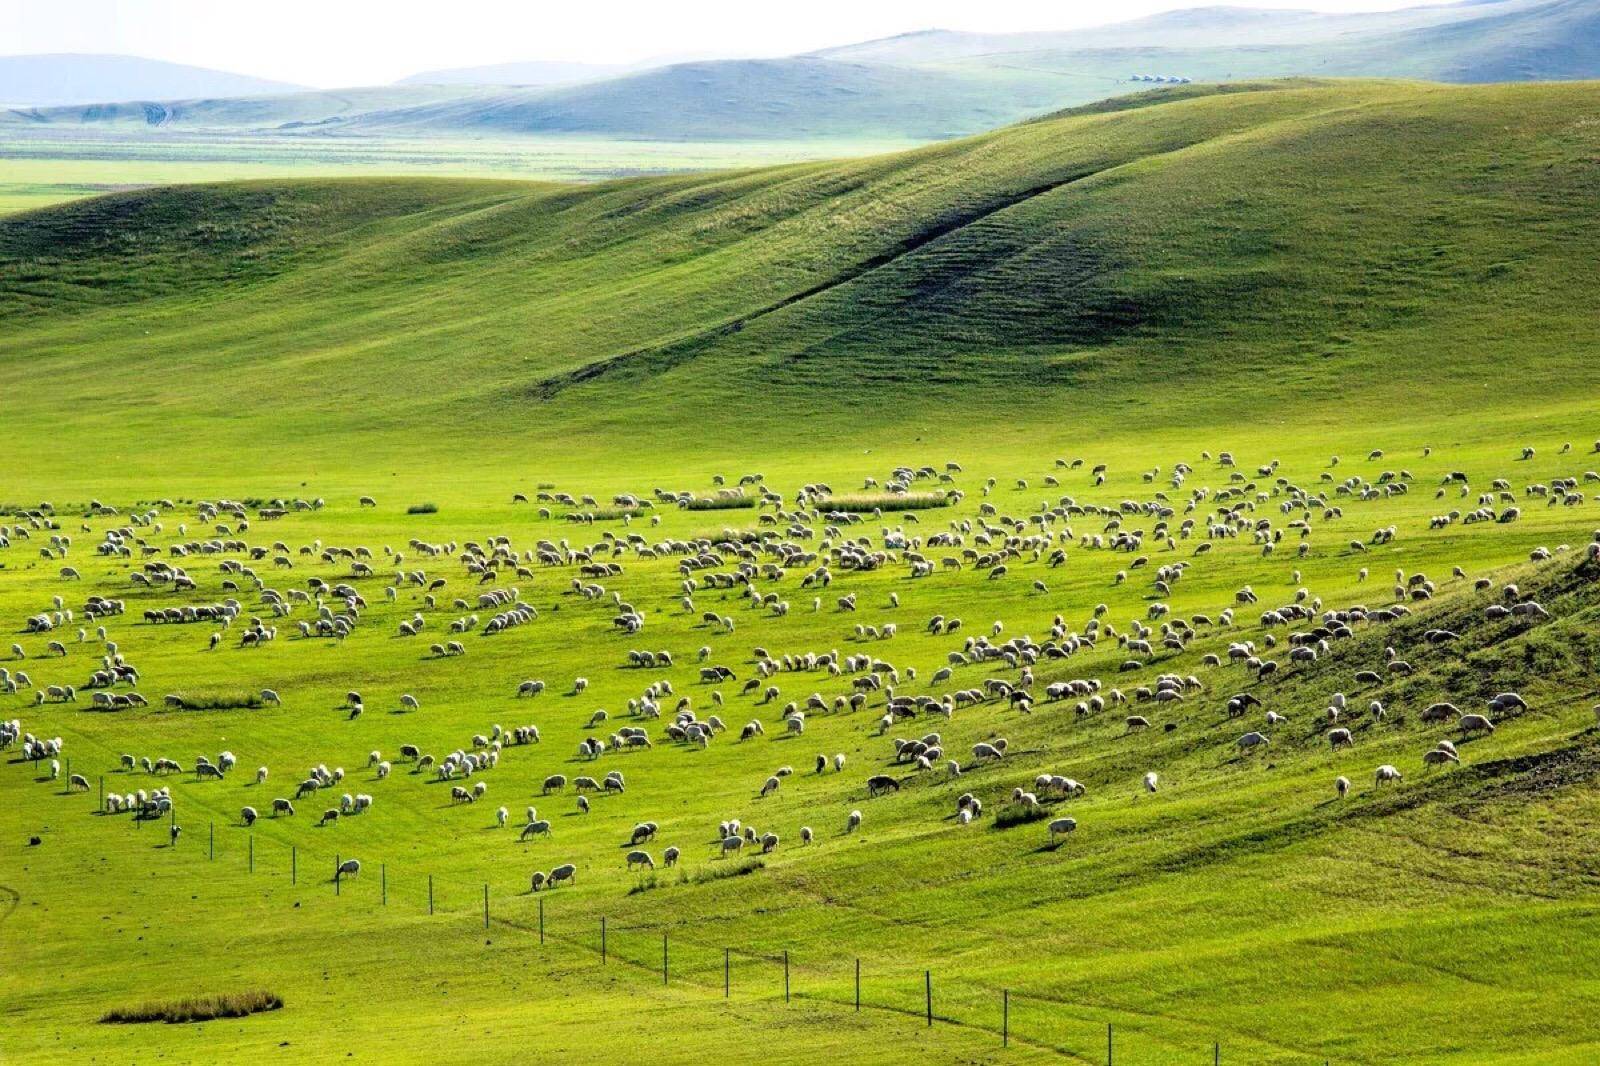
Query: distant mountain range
(926, 85)
(55, 80)
(535, 72)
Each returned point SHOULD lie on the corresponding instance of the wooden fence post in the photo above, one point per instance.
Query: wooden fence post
(927, 985)
(786, 975)
(1005, 1017)
(430, 893)
(486, 904)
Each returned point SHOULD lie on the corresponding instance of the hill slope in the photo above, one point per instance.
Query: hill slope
(1067, 265)
(54, 80)
(752, 98)
(531, 72)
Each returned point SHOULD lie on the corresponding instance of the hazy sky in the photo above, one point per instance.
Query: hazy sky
(363, 42)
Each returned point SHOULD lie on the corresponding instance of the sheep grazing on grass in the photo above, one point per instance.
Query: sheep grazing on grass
(1062, 826)
(878, 784)
(347, 868)
(641, 859)
(1150, 781)
(669, 858)
(1475, 723)
(282, 806)
(540, 827)
(501, 816)
(805, 834)
(731, 843)
(853, 822)
(565, 873)
(1341, 785)
(329, 815)
(1439, 756)
(1249, 742)
(247, 815)
(769, 842)
(1386, 774)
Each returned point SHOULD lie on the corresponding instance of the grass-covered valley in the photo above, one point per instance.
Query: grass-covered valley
(1263, 391)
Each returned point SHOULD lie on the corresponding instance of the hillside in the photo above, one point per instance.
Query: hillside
(1059, 267)
(725, 99)
(532, 72)
(274, 112)
(754, 98)
(55, 80)
(1279, 388)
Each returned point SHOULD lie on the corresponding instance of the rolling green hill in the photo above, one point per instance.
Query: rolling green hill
(1275, 237)
(1377, 296)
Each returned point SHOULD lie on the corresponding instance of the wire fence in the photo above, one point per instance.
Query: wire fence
(1036, 1020)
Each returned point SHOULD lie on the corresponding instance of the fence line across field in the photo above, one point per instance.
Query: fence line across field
(602, 941)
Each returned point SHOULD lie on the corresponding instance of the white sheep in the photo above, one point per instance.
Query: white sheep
(1058, 827)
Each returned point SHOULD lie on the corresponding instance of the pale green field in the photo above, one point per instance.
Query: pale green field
(40, 168)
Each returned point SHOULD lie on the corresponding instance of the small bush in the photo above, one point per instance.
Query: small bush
(197, 1008)
(216, 700)
(719, 503)
(1018, 814)
(423, 508)
(884, 501)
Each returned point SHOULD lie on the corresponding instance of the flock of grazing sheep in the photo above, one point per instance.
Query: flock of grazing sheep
(79, 651)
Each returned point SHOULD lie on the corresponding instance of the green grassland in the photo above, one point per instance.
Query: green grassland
(40, 167)
(1291, 272)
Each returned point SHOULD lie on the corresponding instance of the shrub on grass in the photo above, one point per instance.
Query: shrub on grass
(884, 501)
(423, 508)
(1018, 814)
(197, 1008)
